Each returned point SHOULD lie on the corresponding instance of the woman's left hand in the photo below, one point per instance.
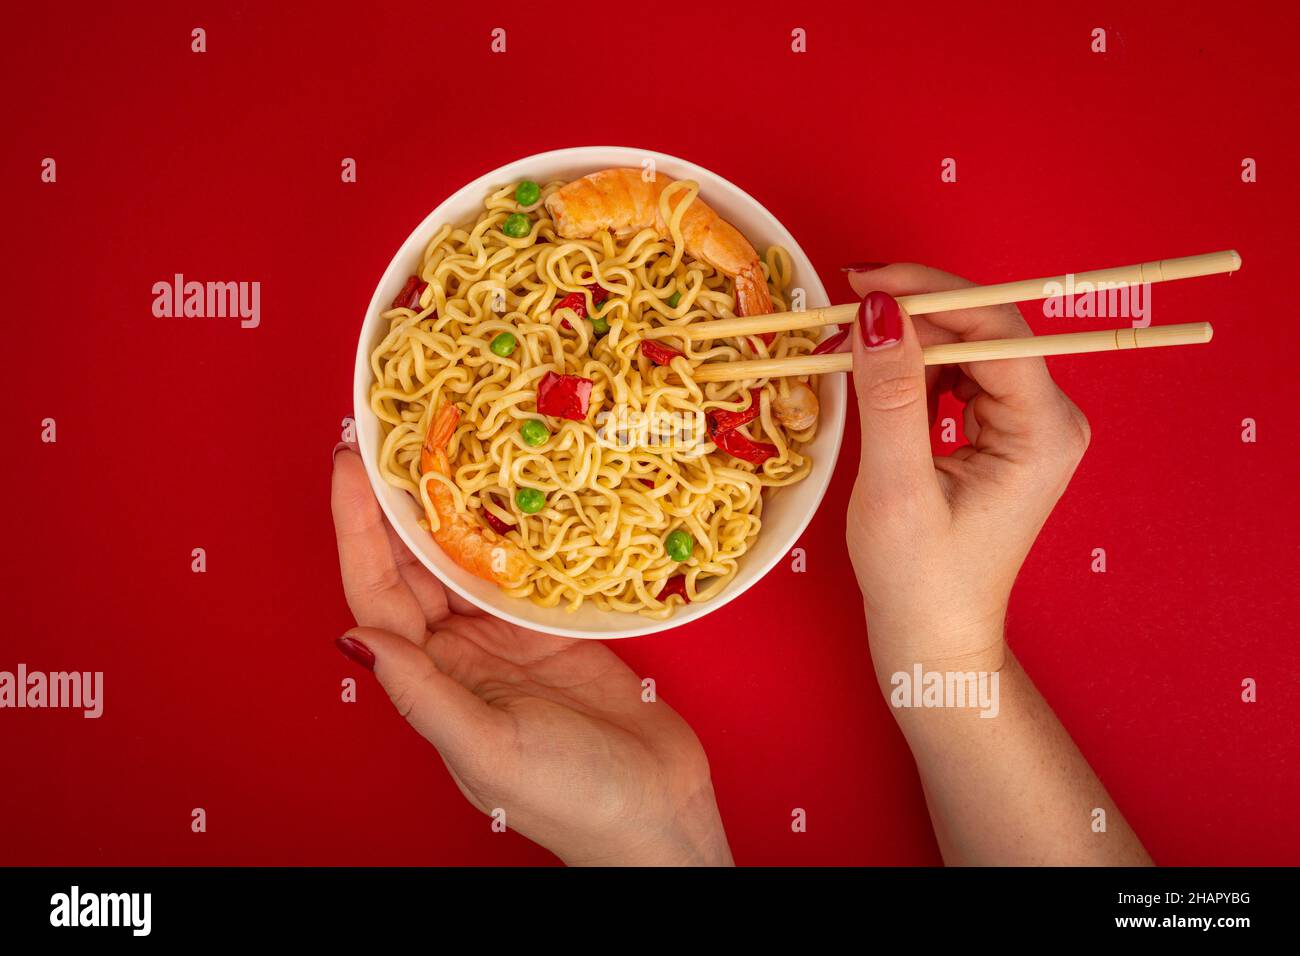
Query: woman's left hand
(552, 731)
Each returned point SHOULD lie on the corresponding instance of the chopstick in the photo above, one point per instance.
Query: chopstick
(1067, 343)
(1024, 290)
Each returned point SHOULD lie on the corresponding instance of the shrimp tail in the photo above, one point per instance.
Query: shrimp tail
(752, 294)
(477, 550)
(433, 456)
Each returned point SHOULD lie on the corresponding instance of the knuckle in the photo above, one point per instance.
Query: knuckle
(1077, 429)
(373, 585)
(406, 690)
(403, 697)
(894, 392)
(1083, 435)
(1063, 433)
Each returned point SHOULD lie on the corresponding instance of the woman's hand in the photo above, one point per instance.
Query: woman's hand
(936, 542)
(552, 731)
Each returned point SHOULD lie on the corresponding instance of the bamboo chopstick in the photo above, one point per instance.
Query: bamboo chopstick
(1024, 290)
(1068, 343)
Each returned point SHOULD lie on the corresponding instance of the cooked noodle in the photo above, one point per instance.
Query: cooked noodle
(601, 534)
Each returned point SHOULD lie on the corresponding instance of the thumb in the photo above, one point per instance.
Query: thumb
(442, 711)
(889, 378)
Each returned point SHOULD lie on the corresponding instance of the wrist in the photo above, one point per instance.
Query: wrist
(936, 644)
(933, 674)
(691, 836)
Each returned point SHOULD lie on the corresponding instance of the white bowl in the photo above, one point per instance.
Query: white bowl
(786, 511)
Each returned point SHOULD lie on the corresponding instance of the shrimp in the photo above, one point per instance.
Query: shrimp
(798, 410)
(478, 550)
(621, 201)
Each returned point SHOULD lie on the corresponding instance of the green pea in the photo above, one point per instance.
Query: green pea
(534, 433)
(680, 545)
(503, 345)
(517, 225)
(673, 299)
(529, 500)
(527, 192)
(599, 324)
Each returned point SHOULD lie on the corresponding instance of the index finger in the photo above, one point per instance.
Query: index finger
(1003, 379)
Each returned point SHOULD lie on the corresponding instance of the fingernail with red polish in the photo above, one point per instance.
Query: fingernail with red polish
(863, 266)
(880, 321)
(341, 445)
(355, 650)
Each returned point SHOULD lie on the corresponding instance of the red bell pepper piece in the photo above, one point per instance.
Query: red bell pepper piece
(657, 352)
(564, 396)
(721, 420)
(832, 343)
(649, 483)
(674, 585)
(409, 297)
(574, 301)
(723, 427)
(404, 297)
(495, 523)
(736, 444)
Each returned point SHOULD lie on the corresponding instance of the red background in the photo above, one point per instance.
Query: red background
(222, 689)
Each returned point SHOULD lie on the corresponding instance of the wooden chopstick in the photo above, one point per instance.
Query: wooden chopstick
(1024, 290)
(1068, 343)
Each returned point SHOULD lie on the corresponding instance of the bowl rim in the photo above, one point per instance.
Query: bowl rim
(367, 423)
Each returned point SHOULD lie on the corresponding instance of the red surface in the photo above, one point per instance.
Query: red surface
(222, 689)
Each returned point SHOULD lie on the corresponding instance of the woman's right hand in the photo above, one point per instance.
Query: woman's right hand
(936, 542)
